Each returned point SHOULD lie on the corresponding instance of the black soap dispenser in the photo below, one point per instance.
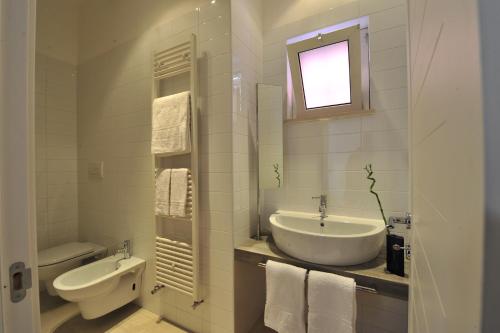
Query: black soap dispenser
(395, 254)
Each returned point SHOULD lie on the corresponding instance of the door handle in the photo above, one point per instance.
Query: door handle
(20, 281)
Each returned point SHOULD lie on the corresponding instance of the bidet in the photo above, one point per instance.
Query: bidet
(125, 251)
(103, 286)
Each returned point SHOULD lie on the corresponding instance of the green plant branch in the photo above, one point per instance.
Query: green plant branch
(277, 171)
(369, 172)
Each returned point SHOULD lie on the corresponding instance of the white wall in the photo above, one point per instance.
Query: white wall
(55, 123)
(447, 166)
(114, 124)
(56, 152)
(57, 29)
(329, 156)
(247, 49)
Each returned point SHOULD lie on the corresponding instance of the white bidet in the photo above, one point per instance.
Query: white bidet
(102, 286)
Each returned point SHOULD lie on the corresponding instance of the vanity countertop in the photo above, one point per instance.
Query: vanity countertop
(371, 274)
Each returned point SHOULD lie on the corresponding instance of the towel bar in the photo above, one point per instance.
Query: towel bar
(178, 264)
(358, 288)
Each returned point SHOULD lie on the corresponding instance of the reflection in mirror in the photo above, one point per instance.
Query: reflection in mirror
(270, 134)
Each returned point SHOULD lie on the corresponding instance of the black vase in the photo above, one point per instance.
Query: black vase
(395, 254)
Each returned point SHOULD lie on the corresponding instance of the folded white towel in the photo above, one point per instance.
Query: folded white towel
(285, 298)
(162, 185)
(178, 192)
(332, 303)
(171, 124)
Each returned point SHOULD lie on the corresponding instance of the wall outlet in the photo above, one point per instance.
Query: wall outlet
(96, 169)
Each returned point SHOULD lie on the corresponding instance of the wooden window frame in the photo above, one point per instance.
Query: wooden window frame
(352, 35)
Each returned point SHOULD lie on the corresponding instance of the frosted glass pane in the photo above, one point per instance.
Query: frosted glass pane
(325, 75)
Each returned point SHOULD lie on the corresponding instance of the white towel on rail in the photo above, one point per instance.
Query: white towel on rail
(332, 303)
(162, 185)
(171, 124)
(179, 192)
(285, 298)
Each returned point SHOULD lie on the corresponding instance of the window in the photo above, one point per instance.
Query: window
(327, 74)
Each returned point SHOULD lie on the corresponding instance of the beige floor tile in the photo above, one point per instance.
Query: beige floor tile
(128, 319)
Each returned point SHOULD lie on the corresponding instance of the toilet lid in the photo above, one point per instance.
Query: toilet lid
(62, 253)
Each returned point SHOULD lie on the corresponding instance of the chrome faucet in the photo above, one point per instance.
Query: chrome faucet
(322, 205)
(125, 250)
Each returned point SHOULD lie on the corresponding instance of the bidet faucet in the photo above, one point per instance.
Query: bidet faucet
(126, 250)
(322, 205)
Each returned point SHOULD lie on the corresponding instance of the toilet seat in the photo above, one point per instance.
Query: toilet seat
(57, 260)
(61, 253)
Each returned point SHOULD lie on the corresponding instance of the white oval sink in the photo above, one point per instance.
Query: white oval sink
(341, 240)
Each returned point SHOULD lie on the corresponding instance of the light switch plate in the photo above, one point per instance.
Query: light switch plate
(96, 169)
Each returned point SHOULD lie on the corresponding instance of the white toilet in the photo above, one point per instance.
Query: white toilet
(57, 260)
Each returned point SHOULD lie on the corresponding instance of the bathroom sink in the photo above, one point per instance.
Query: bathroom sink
(336, 240)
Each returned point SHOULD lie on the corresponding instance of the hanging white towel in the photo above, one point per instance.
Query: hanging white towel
(332, 303)
(162, 184)
(178, 192)
(285, 298)
(171, 124)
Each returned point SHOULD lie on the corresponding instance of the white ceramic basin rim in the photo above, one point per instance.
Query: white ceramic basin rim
(332, 227)
(96, 272)
(102, 286)
(336, 240)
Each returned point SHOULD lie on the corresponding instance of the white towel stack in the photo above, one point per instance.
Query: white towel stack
(332, 303)
(285, 298)
(162, 186)
(178, 192)
(171, 125)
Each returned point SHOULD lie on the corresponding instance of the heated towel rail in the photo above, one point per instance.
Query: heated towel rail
(358, 287)
(178, 263)
(174, 265)
(189, 199)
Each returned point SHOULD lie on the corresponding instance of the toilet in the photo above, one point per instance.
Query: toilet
(102, 286)
(57, 260)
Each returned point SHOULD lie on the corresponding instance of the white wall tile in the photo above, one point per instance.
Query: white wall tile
(388, 38)
(388, 79)
(114, 120)
(385, 120)
(388, 58)
(389, 99)
(390, 18)
(373, 6)
(247, 68)
(56, 148)
(328, 156)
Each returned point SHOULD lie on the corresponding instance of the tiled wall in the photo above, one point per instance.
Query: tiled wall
(55, 123)
(114, 124)
(57, 29)
(246, 39)
(114, 121)
(56, 151)
(328, 156)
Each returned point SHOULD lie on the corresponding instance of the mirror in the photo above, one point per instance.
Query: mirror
(270, 135)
